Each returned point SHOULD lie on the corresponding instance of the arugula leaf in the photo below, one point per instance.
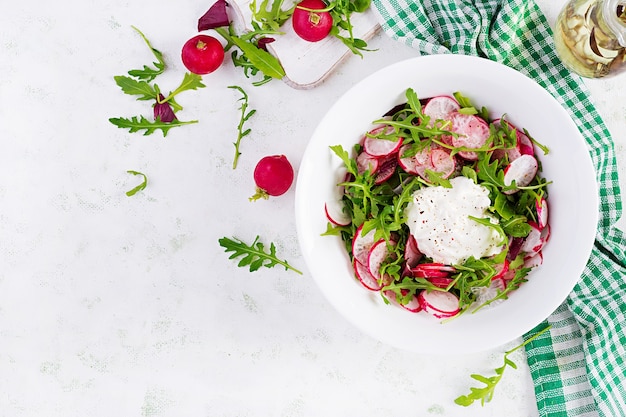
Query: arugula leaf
(255, 256)
(190, 82)
(485, 394)
(147, 73)
(258, 58)
(497, 227)
(272, 18)
(140, 186)
(136, 124)
(132, 87)
(244, 118)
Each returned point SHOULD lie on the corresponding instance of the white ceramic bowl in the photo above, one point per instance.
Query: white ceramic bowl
(572, 200)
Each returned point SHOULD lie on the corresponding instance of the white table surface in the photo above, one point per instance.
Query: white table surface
(126, 306)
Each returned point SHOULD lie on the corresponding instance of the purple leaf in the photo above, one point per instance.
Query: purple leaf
(163, 111)
(262, 43)
(215, 17)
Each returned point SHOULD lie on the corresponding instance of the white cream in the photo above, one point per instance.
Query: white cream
(438, 218)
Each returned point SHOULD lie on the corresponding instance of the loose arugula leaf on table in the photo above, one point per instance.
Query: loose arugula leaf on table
(254, 255)
(133, 87)
(341, 11)
(147, 73)
(244, 118)
(485, 394)
(139, 187)
(140, 84)
(139, 123)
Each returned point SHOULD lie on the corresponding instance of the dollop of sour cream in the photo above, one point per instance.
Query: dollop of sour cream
(439, 219)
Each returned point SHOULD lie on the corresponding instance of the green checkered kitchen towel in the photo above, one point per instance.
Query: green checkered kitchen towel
(579, 366)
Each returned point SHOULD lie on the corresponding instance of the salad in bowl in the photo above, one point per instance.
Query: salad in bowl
(422, 204)
(442, 209)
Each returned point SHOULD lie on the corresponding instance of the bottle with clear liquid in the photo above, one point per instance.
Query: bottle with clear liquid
(590, 37)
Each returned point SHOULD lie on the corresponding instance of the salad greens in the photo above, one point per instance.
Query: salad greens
(485, 394)
(139, 187)
(254, 255)
(380, 206)
(140, 84)
(244, 118)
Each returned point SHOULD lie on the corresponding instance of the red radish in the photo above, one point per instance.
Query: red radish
(534, 260)
(361, 244)
(377, 255)
(442, 162)
(433, 159)
(336, 216)
(413, 305)
(536, 239)
(363, 274)
(502, 269)
(433, 270)
(484, 294)
(440, 282)
(473, 132)
(522, 171)
(202, 54)
(273, 176)
(386, 169)
(542, 212)
(440, 108)
(440, 304)
(524, 144)
(380, 147)
(310, 22)
(366, 162)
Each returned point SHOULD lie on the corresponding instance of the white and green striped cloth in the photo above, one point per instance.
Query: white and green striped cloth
(579, 366)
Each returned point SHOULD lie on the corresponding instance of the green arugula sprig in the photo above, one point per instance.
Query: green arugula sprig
(270, 17)
(254, 255)
(147, 73)
(251, 57)
(241, 133)
(342, 11)
(139, 187)
(140, 85)
(485, 394)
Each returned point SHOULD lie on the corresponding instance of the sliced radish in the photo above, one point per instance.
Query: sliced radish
(440, 108)
(434, 159)
(501, 269)
(536, 239)
(364, 276)
(441, 282)
(413, 164)
(386, 168)
(366, 162)
(361, 244)
(524, 144)
(377, 255)
(522, 171)
(542, 212)
(534, 260)
(440, 304)
(336, 216)
(381, 147)
(442, 162)
(473, 132)
(484, 294)
(413, 305)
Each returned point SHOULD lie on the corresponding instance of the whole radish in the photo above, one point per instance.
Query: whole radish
(202, 54)
(273, 176)
(311, 21)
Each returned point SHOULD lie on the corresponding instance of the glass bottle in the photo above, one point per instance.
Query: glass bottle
(590, 36)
